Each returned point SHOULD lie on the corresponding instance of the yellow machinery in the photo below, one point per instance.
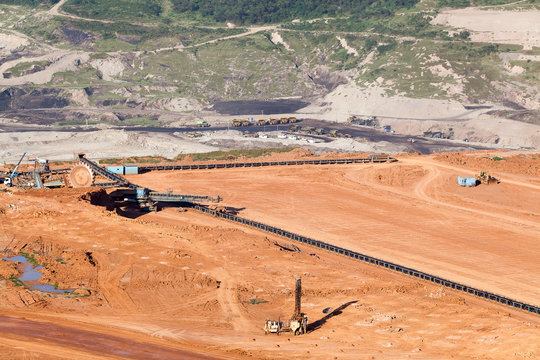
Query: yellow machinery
(262, 122)
(240, 123)
(274, 121)
(299, 321)
(284, 120)
(485, 178)
(292, 119)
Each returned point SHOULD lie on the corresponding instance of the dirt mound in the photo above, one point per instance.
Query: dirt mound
(8, 269)
(523, 164)
(398, 176)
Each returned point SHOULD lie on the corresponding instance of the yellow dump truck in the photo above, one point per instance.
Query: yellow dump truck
(240, 123)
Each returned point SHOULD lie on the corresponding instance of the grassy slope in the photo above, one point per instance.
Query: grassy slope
(407, 53)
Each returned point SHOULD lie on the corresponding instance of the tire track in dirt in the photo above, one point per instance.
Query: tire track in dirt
(229, 302)
(424, 184)
(84, 341)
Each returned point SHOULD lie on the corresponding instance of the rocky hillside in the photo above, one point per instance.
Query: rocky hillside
(154, 62)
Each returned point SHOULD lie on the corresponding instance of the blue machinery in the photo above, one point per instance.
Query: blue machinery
(9, 180)
(372, 260)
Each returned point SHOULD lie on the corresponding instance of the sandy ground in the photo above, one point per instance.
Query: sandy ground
(180, 284)
(53, 145)
(99, 144)
(350, 99)
(496, 26)
(60, 61)
(411, 213)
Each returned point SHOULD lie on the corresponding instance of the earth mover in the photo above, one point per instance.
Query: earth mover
(483, 177)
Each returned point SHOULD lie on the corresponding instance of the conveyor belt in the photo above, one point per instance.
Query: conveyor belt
(169, 197)
(369, 259)
(370, 159)
(114, 178)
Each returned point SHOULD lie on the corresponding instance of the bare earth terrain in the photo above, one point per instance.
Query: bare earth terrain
(182, 284)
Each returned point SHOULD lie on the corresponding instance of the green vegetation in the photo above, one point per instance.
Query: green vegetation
(272, 11)
(136, 160)
(246, 67)
(428, 69)
(141, 121)
(415, 25)
(257, 301)
(30, 3)
(496, 158)
(17, 282)
(118, 9)
(234, 154)
(18, 69)
(121, 35)
(61, 261)
(30, 258)
(531, 70)
(465, 3)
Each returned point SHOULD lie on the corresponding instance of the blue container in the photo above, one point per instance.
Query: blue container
(116, 169)
(131, 169)
(466, 181)
(142, 193)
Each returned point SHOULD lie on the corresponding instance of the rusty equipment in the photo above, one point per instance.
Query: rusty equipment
(484, 177)
(298, 322)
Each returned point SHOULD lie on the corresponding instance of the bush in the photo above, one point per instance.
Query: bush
(234, 154)
(253, 11)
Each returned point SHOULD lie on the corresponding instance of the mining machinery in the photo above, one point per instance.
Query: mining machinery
(483, 177)
(8, 181)
(298, 322)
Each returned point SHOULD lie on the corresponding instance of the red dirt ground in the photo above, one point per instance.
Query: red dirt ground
(180, 284)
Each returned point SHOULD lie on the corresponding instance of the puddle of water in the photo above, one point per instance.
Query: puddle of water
(50, 288)
(30, 274)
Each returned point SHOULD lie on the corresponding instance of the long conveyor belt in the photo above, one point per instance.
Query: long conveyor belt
(170, 197)
(370, 159)
(369, 259)
(120, 181)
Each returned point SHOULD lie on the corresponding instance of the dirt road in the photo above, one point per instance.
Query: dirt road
(412, 213)
(67, 342)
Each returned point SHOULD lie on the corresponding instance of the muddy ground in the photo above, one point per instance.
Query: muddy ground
(185, 281)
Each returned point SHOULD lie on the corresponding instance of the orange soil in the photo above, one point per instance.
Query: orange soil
(183, 281)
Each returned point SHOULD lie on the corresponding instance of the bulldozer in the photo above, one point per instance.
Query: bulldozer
(483, 177)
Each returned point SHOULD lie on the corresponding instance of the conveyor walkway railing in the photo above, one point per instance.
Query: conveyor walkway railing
(170, 197)
(370, 159)
(120, 181)
(372, 260)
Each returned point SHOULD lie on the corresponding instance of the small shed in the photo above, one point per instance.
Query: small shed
(131, 169)
(466, 181)
(116, 169)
